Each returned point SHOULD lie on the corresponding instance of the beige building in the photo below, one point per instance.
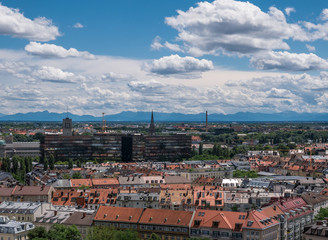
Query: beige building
(13, 230)
(32, 193)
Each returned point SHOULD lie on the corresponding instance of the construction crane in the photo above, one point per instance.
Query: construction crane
(103, 123)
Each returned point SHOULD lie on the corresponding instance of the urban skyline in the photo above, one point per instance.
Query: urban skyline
(223, 56)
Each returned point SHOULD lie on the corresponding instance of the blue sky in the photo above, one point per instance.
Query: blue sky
(224, 56)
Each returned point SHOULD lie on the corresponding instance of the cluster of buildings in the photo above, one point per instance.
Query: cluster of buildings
(164, 198)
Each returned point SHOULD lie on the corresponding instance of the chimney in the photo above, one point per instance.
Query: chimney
(55, 213)
(84, 214)
(206, 121)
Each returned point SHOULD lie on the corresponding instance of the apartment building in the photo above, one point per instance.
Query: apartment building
(12, 230)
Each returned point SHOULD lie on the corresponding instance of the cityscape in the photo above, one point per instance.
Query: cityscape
(163, 120)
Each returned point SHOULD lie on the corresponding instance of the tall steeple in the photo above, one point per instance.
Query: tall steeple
(152, 125)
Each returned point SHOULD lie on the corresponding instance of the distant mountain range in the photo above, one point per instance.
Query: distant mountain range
(162, 117)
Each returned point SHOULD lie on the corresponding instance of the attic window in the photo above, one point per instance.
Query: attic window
(215, 223)
(179, 220)
(249, 223)
(105, 215)
(130, 217)
(165, 219)
(117, 216)
(150, 219)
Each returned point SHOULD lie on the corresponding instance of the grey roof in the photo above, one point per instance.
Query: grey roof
(176, 179)
(5, 176)
(53, 217)
(62, 183)
(13, 227)
(19, 207)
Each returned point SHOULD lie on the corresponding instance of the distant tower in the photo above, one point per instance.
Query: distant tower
(152, 125)
(206, 121)
(67, 127)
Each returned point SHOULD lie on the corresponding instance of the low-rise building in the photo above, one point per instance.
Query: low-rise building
(32, 193)
(23, 211)
(167, 224)
(82, 220)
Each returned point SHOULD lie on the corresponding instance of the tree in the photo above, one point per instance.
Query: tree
(66, 176)
(51, 162)
(62, 232)
(104, 233)
(322, 214)
(37, 233)
(154, 236)
(45, 164)
(15, 164)
(70, 163)
(78, 163)
(200, 150)
(77, 175)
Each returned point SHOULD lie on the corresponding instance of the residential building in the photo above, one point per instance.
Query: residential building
(233, 225)
(317, 201)
(12, 230)
(167, 224)
(316, 231)
(23, 211)
(32, 193)
(118, 217)
(82, 220)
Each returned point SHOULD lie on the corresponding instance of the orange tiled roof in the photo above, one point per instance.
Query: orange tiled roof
(118, 214)
(81, 182)
(166, 217)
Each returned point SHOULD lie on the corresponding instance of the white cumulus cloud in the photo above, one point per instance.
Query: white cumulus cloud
(54, 51)
(78, 25)
(175, 65)
(156, 44)
(310, 48)
(288, 61)
(289, 10)
(52, 74)
(15, 24)
(230, 26)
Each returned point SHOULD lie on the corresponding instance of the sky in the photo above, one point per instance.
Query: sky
(183, 56)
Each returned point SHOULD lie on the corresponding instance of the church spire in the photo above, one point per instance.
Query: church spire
(152, 125)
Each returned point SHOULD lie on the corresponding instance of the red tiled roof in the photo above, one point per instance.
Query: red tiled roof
(166, 217)
(81, 182)
(118, 214)
(31, 191)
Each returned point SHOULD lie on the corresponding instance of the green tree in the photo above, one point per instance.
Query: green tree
(104, 233)
(15, 164)
(66, 176)
(322, 214)
(45, 164)
(77, 175)
(70, 163)
(51, 162)
(200, 150)
(62, 232)
(154, 236)
(78, 163)
(38, 233)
